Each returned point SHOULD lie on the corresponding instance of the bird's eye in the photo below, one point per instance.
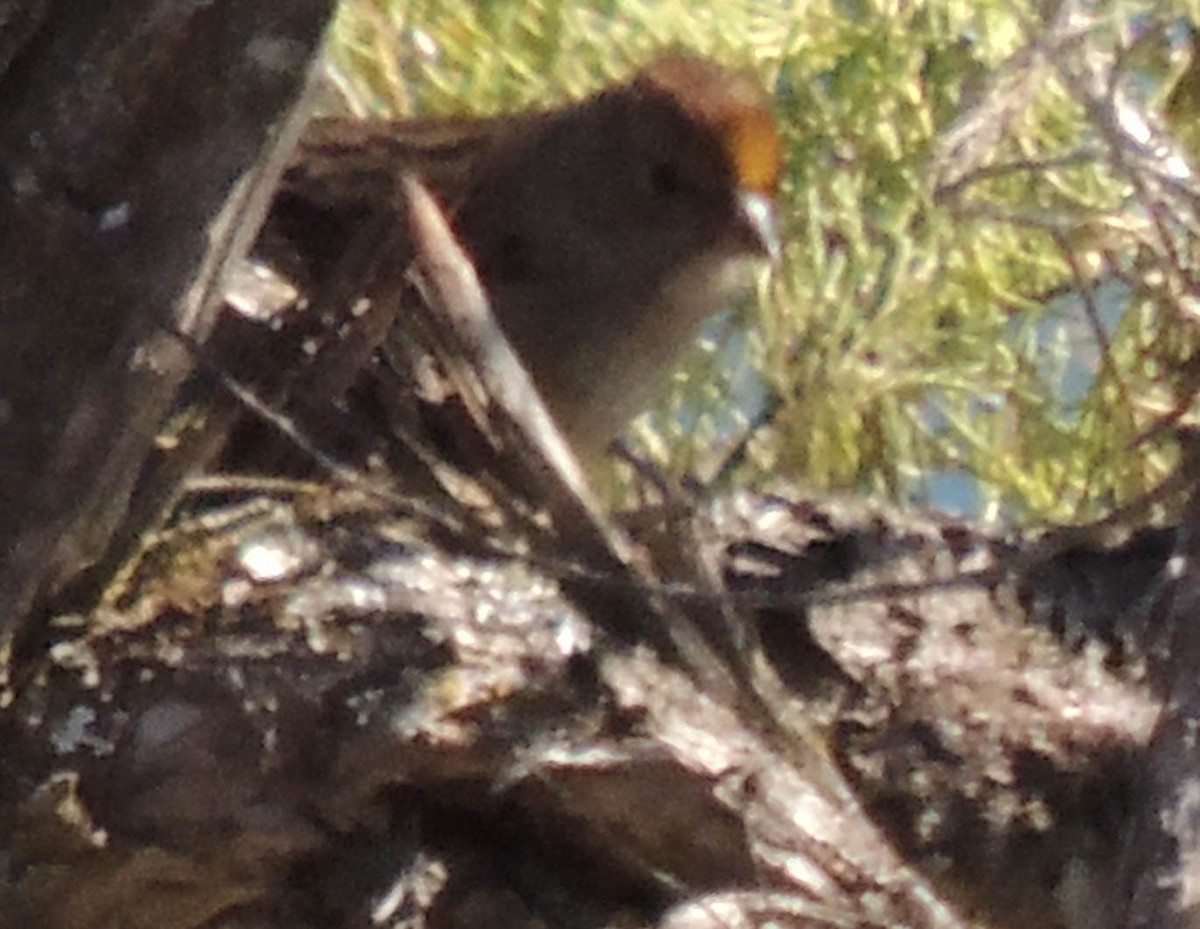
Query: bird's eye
(665, 178)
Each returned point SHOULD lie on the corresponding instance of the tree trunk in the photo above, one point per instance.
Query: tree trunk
(130, 132)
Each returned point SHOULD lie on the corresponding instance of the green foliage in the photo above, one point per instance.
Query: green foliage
(978, 279)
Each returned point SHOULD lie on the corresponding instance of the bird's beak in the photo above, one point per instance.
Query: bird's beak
(757, 215)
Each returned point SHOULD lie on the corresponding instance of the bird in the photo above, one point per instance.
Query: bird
(605, 231)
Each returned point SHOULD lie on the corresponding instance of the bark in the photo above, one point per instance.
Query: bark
(308, 714)
(1160, 855)
(125, 127)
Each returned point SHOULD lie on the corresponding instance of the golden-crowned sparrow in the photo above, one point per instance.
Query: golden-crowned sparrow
(604, 233)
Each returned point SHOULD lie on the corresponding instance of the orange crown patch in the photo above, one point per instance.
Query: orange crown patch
(733, 104)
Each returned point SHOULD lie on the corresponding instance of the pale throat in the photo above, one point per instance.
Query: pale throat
(596, 389)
